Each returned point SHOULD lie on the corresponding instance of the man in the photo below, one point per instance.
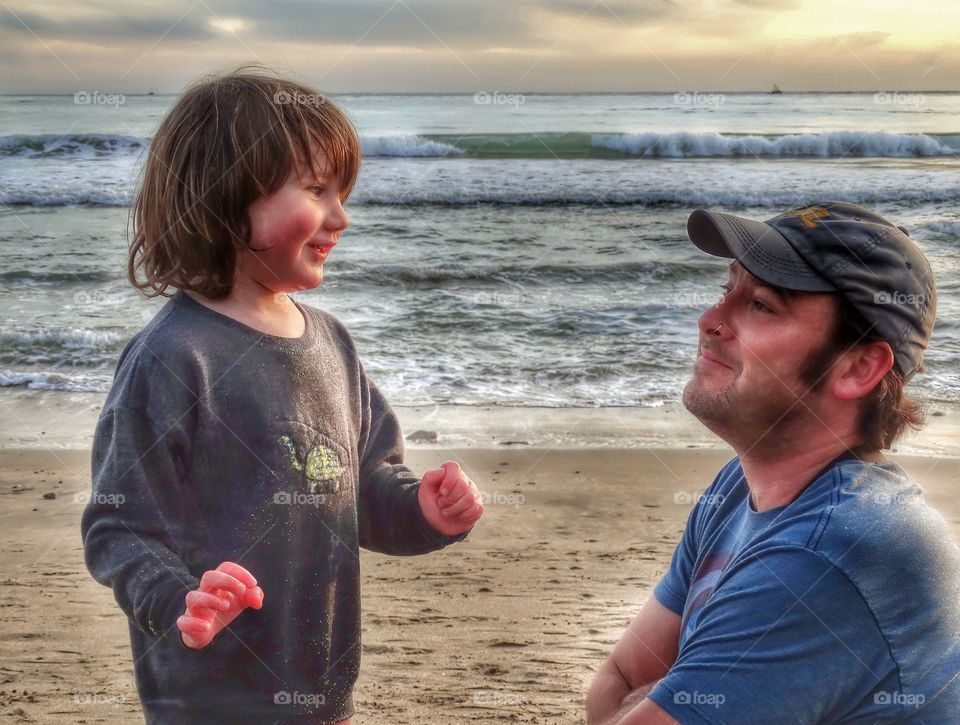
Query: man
(812, 584)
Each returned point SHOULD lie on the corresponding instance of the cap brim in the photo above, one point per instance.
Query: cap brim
(760, 248)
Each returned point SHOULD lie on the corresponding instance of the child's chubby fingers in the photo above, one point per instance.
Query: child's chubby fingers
(238, 573)
(463, 504)
(216, 579)
(466, 519)
(472, 514)
(254, 598)
(193, 625)
(451, 475)
(432, 479)
(206, 600)
(455, 492)
(195, 632)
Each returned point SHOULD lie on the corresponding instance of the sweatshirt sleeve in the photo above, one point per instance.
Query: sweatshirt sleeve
(390, 519)
(130, 525)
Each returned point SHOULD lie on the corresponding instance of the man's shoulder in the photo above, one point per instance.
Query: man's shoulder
(899, 553)
(728, 479)
(877, 507)
(870, 522)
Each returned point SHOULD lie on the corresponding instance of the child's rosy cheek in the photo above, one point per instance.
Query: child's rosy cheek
(288, 236)
(287, 232)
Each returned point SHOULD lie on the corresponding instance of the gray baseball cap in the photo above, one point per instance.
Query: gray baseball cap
(838, 247)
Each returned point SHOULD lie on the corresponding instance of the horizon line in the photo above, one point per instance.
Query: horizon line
(525, 92)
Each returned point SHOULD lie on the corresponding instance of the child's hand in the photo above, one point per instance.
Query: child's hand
(224, 592)
(450, 501)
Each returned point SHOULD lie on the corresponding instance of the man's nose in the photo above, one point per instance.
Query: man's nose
(711, 322)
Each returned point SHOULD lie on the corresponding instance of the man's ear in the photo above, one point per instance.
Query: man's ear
(860, 368)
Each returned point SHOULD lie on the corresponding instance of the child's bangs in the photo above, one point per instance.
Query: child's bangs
(324, 135)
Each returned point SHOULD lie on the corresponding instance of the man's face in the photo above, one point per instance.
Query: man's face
(747, 377)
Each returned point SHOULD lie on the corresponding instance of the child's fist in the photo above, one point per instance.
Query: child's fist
(450, 501)
(224, 592)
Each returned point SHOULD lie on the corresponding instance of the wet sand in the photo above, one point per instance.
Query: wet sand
(506, 627)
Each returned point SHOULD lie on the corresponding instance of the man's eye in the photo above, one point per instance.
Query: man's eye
(758, 304)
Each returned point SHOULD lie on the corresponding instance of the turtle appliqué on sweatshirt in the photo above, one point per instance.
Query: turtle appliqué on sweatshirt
(321, 466)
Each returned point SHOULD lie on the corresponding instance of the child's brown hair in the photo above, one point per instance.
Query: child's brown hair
(228, 140)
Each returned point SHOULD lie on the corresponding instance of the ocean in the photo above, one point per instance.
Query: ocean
(505, 249)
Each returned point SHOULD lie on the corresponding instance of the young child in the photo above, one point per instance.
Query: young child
(250, 453)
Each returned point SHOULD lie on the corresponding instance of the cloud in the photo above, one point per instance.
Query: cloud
(614, 11)
(850, 40)
(463, 44)
(100, 27)
(770, 4)
(364, 23)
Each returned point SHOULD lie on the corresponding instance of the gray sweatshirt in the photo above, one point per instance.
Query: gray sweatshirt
(220, 443)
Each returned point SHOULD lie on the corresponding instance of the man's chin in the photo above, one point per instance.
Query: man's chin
(712, 408)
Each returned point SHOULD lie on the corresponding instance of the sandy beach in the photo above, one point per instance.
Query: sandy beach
(506, 627)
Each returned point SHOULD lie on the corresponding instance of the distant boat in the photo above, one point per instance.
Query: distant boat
(776, 89)
(151, 93)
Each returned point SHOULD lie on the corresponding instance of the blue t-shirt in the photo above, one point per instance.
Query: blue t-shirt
(840, 607)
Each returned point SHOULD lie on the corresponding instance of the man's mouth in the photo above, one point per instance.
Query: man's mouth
(713, 358)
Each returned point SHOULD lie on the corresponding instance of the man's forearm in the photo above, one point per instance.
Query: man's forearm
(610, 698)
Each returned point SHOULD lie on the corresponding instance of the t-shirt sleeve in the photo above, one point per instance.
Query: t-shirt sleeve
(671, 590)
(786, 638)
(389, 515)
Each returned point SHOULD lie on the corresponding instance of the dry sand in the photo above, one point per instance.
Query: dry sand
(506, 627)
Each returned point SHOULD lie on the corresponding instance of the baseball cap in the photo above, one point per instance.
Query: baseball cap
(838, 247)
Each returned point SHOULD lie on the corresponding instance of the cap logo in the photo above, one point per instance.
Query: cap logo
(809, 215)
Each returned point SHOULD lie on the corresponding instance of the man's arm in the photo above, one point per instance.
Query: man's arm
(644, 654)
(642, 711)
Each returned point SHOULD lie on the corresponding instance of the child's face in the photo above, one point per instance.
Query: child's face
(295, 227)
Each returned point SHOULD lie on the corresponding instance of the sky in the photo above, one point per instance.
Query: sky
(485, 45)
